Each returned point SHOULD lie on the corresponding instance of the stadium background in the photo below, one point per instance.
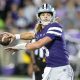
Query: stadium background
(17, 16)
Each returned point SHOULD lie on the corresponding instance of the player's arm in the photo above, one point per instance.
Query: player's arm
(22, 36)
(38, 44)
(31, 46)
(27, 36)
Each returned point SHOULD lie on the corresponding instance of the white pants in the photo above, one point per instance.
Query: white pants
(58, 73)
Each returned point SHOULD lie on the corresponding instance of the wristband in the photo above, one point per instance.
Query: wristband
(17, 36)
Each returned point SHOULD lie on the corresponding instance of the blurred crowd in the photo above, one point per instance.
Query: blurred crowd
(20, 15)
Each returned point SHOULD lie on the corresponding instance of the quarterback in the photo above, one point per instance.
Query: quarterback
(49, 33)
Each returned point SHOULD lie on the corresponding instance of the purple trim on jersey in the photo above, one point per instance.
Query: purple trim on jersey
(58, 55)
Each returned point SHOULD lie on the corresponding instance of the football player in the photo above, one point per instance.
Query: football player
(49, 33)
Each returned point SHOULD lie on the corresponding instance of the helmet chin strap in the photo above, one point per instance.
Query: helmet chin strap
(45, 23)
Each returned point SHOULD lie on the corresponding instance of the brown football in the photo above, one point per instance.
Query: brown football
(5, 42)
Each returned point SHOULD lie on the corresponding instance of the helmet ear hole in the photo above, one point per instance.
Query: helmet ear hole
(39, 14)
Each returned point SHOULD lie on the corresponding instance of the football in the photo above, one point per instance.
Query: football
(6, 40)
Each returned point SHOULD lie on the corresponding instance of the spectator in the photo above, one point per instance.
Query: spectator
(22, 21)
(14, 11)
(29, 11)
(77, 18)
(2, 8)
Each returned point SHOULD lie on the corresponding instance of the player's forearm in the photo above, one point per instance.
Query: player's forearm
(25, 46)
(27, 36)
(33, 46)
(38, 44)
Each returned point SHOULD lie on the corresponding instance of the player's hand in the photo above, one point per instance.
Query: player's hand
(8, 35)
(4, 40)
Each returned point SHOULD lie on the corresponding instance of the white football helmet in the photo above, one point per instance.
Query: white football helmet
(46, 8)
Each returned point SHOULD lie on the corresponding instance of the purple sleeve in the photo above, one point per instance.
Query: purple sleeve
(54, 30)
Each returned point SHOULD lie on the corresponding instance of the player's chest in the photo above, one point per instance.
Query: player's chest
(41, 34)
